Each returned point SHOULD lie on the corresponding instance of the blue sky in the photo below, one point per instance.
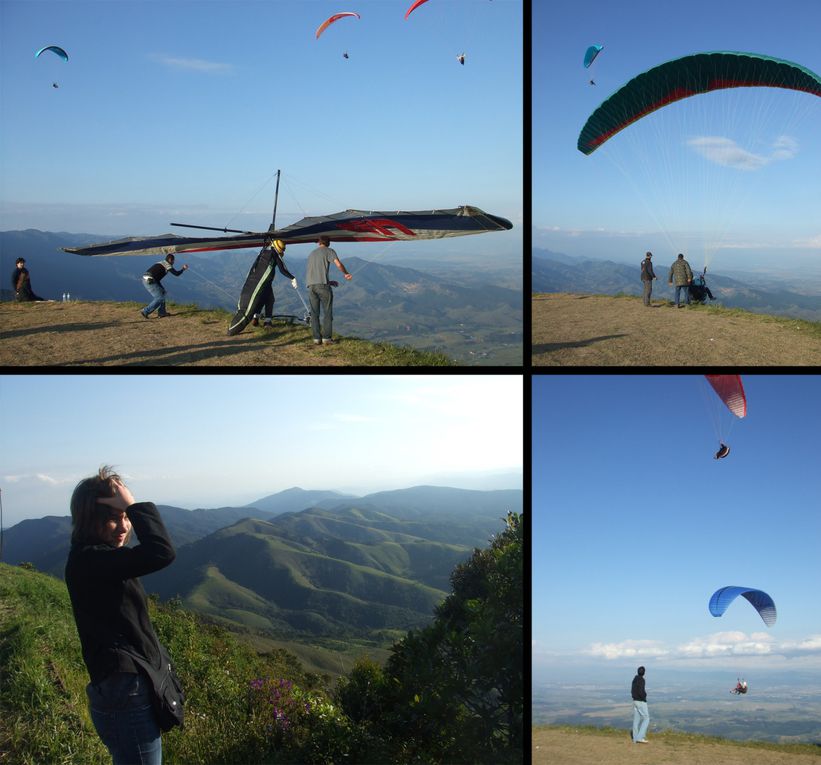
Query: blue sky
(170, 110)
(209, 441)
(642, 189)
(635, 525)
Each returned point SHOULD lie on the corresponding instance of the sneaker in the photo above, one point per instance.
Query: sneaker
(642, 741)
(255, 322)
(327, 341)
(317, 342)
(267, 325)
(143, 314)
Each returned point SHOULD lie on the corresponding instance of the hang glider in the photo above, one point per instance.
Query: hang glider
(347, 226)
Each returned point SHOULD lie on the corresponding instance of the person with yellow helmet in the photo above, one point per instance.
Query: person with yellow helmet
(258, 292)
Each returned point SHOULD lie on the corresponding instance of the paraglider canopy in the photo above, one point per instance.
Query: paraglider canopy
(414, 7)
(55, 49)
(590, 55)
(760, 600)
(690, 76)
(731, 392)
(325, 24)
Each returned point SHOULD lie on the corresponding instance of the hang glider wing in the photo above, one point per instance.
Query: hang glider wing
(348, 226)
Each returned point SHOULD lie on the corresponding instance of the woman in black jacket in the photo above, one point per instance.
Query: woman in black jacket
(111, 612)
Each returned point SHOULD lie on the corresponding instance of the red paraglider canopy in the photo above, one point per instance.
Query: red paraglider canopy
(325, 24)
(731, 392)
(414, 7)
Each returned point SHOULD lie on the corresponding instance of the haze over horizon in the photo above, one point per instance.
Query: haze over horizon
(205, 441)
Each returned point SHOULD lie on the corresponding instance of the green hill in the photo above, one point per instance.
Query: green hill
(313, 574)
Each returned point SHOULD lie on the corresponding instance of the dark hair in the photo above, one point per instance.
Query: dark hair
(324, 240)
(19, 260)
(87, 515)
(641, 671)
(170, 257)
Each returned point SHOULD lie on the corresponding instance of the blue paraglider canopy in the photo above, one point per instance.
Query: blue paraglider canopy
(762, 602)
(55, 49)
(591, 54)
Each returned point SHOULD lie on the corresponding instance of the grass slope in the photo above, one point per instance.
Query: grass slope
(599, 330)
(43, 709)
(114, 334)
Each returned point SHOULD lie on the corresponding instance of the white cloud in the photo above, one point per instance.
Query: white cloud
(727, 644)
(192, 64)
(40, 477)
(814, 242)
(628, 649)
(726, 152)
(712, 646)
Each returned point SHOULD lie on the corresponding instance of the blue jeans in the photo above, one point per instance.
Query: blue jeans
(124, 719)
(157, 291)
(321, 294)
(641, 719)
(686, 289)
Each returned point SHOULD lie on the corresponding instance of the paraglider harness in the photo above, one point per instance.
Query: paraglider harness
(722, 452)
(740, 688)
(699, 291)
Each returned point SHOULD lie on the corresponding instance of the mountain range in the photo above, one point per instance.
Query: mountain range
(463, 312)
(368, 567)
(555, 272)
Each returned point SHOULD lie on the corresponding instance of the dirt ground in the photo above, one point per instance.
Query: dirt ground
(599, 330)
(558, 747)
(114, 334)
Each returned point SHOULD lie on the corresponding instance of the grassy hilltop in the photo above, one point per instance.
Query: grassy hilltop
(600, 330)
(114, 334)
(593, 746)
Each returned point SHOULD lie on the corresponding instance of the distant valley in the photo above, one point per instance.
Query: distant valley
(554, 272)
(308, 565)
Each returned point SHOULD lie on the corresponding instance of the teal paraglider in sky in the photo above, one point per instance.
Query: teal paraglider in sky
(760, 600)
(689, 76)
(55, 49)
(590, 55)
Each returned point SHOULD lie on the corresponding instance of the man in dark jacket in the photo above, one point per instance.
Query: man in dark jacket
(641, 717)
(647, 276)
(681, 272)
(21, 281)
(151, 281)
